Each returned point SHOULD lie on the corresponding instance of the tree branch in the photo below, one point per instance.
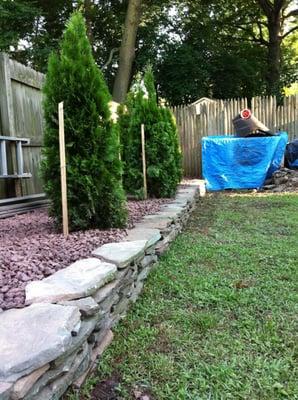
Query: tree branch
(259, 25)
(289, 32)
(255, 39)
(293, 13)
(111, 55)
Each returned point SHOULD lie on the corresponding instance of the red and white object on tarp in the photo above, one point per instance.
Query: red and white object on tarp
(245, 113)
(246, 125)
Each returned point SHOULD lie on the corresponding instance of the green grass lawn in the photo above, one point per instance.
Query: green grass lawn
(218, 317)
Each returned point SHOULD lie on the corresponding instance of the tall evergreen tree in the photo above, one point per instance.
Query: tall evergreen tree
(162, 146)
(95, 194)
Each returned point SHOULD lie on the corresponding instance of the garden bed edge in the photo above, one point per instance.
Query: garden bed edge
(55, 341)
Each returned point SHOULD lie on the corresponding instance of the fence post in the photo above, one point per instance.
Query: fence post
(7, 116)
(6, 104)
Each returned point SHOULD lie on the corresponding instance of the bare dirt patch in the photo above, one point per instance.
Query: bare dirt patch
(107, 389)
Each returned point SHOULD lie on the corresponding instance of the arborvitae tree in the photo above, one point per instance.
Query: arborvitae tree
(95, 194)
(130, 120)
(162, 145)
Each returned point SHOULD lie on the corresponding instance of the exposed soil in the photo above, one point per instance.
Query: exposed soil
(107, 389)
(31, 249)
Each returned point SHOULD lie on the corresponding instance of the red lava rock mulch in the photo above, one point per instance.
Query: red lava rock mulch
(31, 249)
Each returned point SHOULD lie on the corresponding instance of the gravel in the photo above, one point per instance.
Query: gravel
(31, 249)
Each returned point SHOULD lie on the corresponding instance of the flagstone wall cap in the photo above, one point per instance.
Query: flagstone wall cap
(80, 279)
(121, 253)
(33, 336)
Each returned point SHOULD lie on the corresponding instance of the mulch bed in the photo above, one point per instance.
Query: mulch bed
(31, 249)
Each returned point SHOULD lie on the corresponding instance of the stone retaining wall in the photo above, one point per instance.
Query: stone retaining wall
(54, 342)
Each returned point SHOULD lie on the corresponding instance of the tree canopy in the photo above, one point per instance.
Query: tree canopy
(219, 48)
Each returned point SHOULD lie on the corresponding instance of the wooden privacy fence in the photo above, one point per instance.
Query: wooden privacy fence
(21, 117)
(214, 117)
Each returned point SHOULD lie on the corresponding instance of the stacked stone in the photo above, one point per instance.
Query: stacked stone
(55, 341)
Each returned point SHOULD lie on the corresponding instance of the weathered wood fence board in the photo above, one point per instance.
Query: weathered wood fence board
(215, 118)
(21, 116)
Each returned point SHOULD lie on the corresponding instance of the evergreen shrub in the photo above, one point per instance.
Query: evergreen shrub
(163, 156)
(94, 171)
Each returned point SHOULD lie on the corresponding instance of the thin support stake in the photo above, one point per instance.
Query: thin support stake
(144, 160)
(63, 170)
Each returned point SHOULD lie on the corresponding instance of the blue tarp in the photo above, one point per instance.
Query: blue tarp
(230, 162)
(292, 154)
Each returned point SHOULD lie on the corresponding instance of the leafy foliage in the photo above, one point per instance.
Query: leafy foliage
(16, 21)
(95, 194)
(162, 147)
(215, 48)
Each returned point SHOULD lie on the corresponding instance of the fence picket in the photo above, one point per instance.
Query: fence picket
(216, 118)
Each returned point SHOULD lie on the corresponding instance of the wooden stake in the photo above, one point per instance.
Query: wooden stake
(63, 170)
(144, 160)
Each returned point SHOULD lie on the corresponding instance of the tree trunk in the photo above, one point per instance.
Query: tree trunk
(127, 50)
(274, 55)
(88, 18)
(273, 12)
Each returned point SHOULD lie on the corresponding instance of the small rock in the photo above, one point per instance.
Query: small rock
(87, 306)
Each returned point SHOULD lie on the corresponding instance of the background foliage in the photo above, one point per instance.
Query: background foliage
(197, 48)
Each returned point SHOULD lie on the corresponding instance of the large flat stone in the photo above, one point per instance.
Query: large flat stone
(23, 385)
(173, 207)
(171, 214)
(179, 202)
(33, 336)
(197, 187)
(122, 253)
(5, 389)
(189, 190)
(80, 279)
(192, 183)
(152, 236)
(157, 216)
(184, 197)
(154, 223)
